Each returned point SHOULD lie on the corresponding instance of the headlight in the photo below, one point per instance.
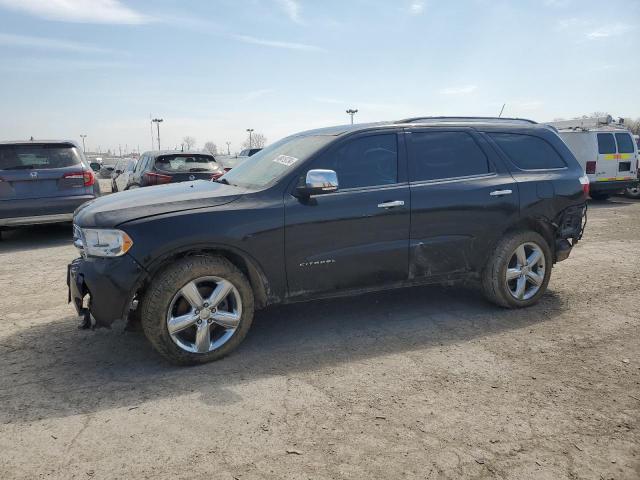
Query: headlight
(98, 242)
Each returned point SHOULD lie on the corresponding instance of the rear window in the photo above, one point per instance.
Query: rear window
(186, 163)
(528, 152)
(606, 143)
(625, 143)
(27, 157)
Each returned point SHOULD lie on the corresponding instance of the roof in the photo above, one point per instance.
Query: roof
(38, 142)
(430, 121)
(158, 153)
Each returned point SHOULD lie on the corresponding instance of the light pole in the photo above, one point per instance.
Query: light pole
(250, 130)
(352, 112)
(157, 121)
(228, 148)
(83, 137)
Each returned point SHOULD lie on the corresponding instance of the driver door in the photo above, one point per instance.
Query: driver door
(358, 236)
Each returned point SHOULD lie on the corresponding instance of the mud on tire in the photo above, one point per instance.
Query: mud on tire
(167, 283)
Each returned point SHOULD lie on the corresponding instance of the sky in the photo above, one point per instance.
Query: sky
(211, 69)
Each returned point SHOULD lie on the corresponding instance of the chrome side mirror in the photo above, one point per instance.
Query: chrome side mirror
(318, 182)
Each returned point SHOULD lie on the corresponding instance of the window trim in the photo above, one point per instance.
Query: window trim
(469, 131)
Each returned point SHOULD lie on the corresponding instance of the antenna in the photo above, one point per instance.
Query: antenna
(502, 109)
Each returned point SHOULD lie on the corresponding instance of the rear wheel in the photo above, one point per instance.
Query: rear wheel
(600, 196)
(197, 310)
(632, 192)
(518, 272)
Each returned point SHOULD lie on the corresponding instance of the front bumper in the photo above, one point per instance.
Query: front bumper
(108, 283)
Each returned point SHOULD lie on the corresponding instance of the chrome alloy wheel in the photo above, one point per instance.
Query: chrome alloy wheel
(204, 314)
(525, 272)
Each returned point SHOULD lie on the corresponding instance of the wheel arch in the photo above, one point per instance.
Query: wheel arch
(241, 260)
(539, 225)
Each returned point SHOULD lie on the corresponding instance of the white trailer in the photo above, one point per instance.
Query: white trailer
(607, 152)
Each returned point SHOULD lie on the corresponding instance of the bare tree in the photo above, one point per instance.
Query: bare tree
(189, 142)
(211, 147)
(258, 140)
(633, 125)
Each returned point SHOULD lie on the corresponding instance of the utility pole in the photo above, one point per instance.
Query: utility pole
(228, 148)
(352, 112)
(157, 121)
(120, 149)
(84, 150)
(250, 130)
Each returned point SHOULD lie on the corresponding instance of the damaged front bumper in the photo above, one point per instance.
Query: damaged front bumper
(102, 289)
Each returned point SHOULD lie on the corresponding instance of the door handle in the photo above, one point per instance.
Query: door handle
(395, 203)
(499, 193)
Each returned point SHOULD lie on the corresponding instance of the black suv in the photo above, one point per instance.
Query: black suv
(331, 212)
(170, 166)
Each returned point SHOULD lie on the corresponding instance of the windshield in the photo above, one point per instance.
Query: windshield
(273, 162)
(186, 163)
(26, 157)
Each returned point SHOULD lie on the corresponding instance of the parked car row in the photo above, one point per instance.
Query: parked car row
(328, 212)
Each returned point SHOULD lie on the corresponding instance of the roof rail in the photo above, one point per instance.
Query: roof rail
(466, 119)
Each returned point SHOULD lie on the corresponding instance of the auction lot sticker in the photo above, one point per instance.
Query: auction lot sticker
(285, 160)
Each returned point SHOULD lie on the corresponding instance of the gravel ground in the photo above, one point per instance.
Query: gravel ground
(422, 383)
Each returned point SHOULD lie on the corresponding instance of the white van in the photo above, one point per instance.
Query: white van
(607, 152)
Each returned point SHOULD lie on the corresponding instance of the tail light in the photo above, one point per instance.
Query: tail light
(156, 178)
(591, 168)
(87, 176)
(226, 169)
(217, 175)
(584, 181)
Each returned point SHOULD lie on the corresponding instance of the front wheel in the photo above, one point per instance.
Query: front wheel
(632, 192)
(197, 310)
(518, 272)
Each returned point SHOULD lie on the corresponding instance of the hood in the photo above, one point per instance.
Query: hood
(112, 210)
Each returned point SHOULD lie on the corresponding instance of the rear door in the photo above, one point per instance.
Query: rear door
(608, 158)
(627, 156)
(30, 171)
(462, 199)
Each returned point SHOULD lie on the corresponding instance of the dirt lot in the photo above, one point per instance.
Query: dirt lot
(422, 383)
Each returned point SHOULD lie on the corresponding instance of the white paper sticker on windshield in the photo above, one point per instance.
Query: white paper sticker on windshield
(285, 160)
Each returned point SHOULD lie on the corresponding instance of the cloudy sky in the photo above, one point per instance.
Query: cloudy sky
(214, 68)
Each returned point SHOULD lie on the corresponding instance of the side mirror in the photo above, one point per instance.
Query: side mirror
(95, 166)
(318, 182)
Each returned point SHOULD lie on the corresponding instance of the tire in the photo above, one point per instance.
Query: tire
(632, 192)
(164, 301)
(495, 286)
(600, 196)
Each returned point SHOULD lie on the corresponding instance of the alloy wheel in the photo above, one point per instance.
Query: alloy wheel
(204, 314)
(526, 270)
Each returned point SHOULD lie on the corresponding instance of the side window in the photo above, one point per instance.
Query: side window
(625, 143)
(606, 143)
(364, 162)
(439, 155)
(528, 152)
